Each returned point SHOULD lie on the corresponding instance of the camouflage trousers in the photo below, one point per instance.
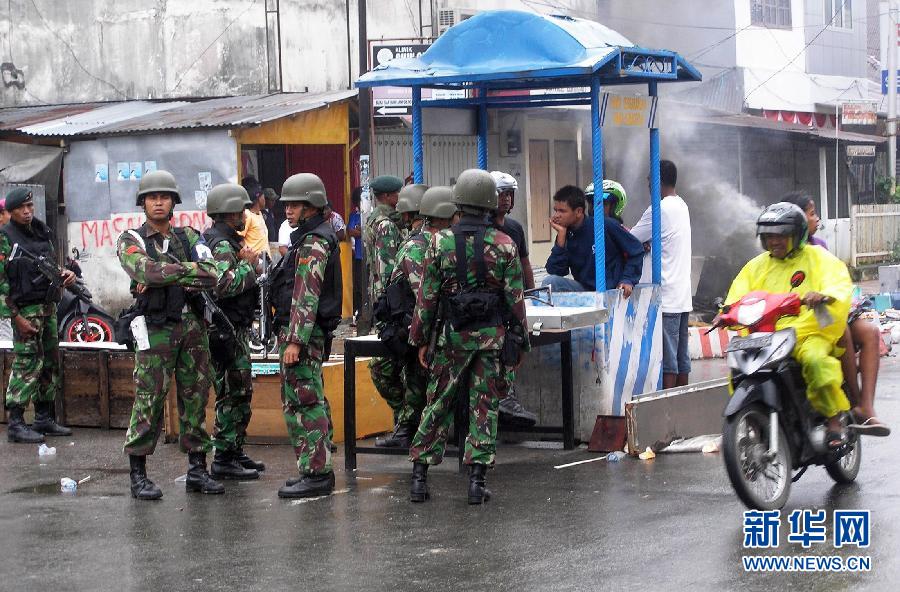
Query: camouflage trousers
(387, 376)
(181, 349)
(479, 373)
(34, 376)
(415, 384)
(303, 402)
(233, 384)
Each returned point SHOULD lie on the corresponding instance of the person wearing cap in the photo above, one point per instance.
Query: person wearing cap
(167, 265)
(29, 299)
(382, 236)
(396, 303)
(255, 233)
(237, 296)
(307, 294)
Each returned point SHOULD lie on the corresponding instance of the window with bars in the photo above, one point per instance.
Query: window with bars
(771, 13)
(842, 11)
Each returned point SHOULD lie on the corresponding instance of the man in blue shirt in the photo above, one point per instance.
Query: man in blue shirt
(574, 248)
(354, 231)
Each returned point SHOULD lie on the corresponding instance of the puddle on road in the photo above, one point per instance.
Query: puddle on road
(53, 487)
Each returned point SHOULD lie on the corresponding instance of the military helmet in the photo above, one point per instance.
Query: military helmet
(410, 198)
(438, 203)
(475, 188)
(785, 219)
(158, 181)
(304, 187)
(227, 198)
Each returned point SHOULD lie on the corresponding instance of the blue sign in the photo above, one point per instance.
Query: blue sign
(884, 77)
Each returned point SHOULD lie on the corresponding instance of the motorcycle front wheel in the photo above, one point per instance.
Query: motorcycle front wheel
(761, 480)
(99, 328)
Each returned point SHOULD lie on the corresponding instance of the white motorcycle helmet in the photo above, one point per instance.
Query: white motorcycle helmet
(505, 182)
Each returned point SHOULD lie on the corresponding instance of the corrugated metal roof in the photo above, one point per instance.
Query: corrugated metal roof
(144, 116)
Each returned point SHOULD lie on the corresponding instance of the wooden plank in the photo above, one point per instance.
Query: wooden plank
(120, 381)
(103, 390)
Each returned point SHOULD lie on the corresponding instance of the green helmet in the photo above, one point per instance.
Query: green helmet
(438, 203)
(410, 198)
(615, 189)
(227, 198)
(475, 188)
(304, 187)
(158, 181)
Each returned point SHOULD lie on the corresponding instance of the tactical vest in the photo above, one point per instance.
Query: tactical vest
(164, 304)
(472, 306)
(27, 285)
(394, 309)
(240, 309)
(328, 314)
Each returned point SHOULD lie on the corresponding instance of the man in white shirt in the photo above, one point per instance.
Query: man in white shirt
(676, 275)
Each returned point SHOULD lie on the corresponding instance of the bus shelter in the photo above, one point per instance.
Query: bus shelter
(508, 59)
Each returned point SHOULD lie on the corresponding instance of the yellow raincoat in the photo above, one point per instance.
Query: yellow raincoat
(820, 272)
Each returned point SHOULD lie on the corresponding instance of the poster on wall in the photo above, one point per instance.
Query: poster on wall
(200, 199)
(123, 171)
(101, 173)
(205, 181)
(135, 171)
(149, 166)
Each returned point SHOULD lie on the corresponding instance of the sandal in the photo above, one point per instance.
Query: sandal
(870, 427)
(835, 440)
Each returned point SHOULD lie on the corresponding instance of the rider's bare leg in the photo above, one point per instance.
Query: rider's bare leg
(849, 367)
(866, 336)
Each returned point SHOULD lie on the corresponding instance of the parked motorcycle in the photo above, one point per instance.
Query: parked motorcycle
(81, 321)
(770, 427)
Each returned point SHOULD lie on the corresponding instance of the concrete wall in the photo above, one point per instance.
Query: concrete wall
(837, 50)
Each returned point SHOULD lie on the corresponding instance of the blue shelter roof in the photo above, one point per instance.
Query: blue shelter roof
(516, 49)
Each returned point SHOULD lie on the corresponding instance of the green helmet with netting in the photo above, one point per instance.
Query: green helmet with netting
(227, 198)
(410, 197)
(304, 187)
(158, 181)
(438, 203)
(475, 188)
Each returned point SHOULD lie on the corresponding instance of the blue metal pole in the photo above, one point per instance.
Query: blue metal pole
(418, 159)
(597, 154)
(482, 136)
(655, 200)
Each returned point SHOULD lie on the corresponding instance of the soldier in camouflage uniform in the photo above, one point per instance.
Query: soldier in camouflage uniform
(382, 236)
(307, 292)
(237, 296)
(29, 300)
(167, 302)
(481, 300)
(436, 211)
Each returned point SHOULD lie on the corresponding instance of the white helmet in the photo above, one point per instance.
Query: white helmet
(504, 181)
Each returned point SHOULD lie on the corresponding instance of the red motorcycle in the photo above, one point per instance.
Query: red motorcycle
(770, 428)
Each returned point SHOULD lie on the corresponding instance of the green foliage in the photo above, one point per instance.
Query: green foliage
(883, 189)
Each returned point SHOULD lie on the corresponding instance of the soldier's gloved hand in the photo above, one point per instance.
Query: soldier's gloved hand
(68, 277)
(24, 326)
(291, 354)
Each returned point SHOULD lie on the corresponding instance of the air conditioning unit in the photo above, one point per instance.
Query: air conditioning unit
(447, 17)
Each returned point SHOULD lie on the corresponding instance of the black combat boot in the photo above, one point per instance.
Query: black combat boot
(197, 477)
(309, 486)
(401, 437)
(45, 420)
(142, 487)
(478, 492)
(226, 466)
(18, 431)
(248, 463)
(418, 490)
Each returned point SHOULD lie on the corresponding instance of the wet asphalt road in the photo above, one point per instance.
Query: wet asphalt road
(668, 524)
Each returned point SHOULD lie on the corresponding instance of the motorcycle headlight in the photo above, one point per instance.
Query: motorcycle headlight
(750, 314)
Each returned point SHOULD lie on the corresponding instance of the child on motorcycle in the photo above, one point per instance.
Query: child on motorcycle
(822, 281)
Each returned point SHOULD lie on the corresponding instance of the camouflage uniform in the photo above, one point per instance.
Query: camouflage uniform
(233, 381)
(410, 261)
(382, 238)
(34, 377)
(179, 348)
(302, 391)
(473, 353)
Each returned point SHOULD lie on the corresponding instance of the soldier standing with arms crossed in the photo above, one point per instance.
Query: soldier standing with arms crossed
(382, 237)
(29, 300)
(237, 297)
(174, 340)
(307, 294)
(472, 271)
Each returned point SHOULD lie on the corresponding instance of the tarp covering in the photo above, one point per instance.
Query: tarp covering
(31, 164)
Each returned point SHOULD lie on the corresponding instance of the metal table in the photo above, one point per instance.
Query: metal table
(370, 345)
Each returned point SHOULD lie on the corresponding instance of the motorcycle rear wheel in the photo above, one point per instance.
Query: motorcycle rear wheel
(99, 329)
(761, 483)
(845, 469)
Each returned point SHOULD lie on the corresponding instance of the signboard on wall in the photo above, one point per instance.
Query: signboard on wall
(861, 151)
(627, 111)
(859, 113)
(394, 101)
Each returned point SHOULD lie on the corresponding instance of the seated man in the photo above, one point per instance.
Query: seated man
(574, 247)
(821, 280)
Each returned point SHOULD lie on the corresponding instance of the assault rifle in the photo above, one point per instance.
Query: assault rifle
(264, 282)
(51, 270)
(212, 314)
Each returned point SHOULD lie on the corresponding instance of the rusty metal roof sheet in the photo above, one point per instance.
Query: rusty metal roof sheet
(128, 117)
